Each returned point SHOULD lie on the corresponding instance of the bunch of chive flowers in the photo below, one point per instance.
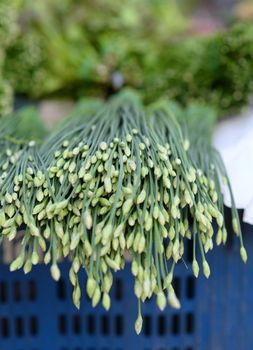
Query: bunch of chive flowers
(119, 180)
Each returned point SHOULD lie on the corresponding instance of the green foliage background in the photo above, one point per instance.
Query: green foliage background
(81, 48)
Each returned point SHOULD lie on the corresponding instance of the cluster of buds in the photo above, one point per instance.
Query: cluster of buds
(118, 181)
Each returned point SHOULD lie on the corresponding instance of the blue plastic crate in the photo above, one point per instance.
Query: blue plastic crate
(37, 314)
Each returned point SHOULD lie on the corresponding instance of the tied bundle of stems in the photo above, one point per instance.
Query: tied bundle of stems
(121, 179)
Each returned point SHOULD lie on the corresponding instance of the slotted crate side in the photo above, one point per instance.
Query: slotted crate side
(224, 314)
(37, 314)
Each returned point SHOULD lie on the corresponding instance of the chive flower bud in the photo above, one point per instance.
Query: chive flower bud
(195, 268)
(106, 301)
(127, 206)
(96, 297)
(172, 299)
(76, 296)
(141, 197)
(235, 226)
(138, 324)
(17, 263)
(206, 269)
(88, 219)
(161, 300)
(243, 254)
(55, 272)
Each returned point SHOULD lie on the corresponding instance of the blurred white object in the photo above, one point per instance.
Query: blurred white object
(234, 139)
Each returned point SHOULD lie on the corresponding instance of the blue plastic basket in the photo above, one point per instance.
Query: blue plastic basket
(37, 314)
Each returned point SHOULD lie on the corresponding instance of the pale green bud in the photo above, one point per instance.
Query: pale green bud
(136, 241)
(138, 324)
(138, 289)
(235, 226)
(34, 230)
(115, 244)
(76, 265)
(73, 277)
(172, 299)
(161, 300)
(108, 184)
(39, 195)
(182, 229)
(35, 258)
(195, 268)
(76, 296)
(127, 206)
(75, 239)
(112, 263)
(176, 246)
(55, 272)
(146, 286)
(106, 301)
(141, 197)
(174, 211)
(27, 266)
(161, 219)
(46, 232)
(172, 233)
(47, 257)
(135, 268)
(38, 208)
(122, 241)
(119, 230)
(144, 171)
(72, 167)
(148, 223)
(206, 269)
(168, 280)
(88, 219)
(2, 218)
(219, 237)
(219, 219)
(224, 235)
(87, 177)
(96, 297)
(141, 244)
(58, 229)
(156, 212)
(243, 254)
(17, 263)
(8, 198)
(130, 240)
(91, 286)
(169, 250)
(10, 210)
(107, 233)
(108, 279)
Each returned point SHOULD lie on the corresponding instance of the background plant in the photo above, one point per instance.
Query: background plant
(105, 46)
